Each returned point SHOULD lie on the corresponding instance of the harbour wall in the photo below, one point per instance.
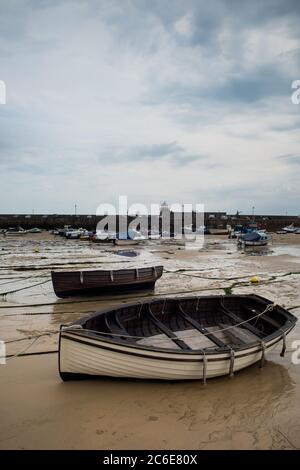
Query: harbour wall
(211, 220)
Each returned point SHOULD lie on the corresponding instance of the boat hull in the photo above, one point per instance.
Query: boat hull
(262, 243)
(113, 289)
(66, 284)
(15, 234)
(83, 358)
(218, 231)
(127, 242)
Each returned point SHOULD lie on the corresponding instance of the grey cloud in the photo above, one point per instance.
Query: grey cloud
(171, 152)
(290, 159)
(159, 150)
(83, 75)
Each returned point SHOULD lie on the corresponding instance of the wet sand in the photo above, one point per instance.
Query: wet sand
(257, 409)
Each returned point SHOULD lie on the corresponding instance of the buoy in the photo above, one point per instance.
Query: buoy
(254, 279)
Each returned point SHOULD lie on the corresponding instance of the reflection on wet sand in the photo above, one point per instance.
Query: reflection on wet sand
(254, 410)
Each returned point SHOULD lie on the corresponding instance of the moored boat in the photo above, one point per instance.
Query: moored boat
(103, 236)
(35, 230)
(289, 228)
(174, 338)
(68, 283)
(154, 235)
(218, 231)
(132, 237)
(15, 231)
(258, 238)
(75, 234)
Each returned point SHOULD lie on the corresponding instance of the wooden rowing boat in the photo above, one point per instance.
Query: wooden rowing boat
(67, 283)
(173, 338)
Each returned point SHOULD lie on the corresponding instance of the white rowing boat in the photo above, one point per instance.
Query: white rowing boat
(173, 339)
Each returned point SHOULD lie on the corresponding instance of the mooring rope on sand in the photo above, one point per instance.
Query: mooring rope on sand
(15, 315)
(166, 271)
(25, 349)
(272, 279)
(24, 288)
(158, 294)
(112, 298)
(37, 353)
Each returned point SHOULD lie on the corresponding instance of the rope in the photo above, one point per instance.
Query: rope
(204, 367)
(23, 350)
(263, 350)
(33, 336)
(37, 353)
(23, 288)
(283, 344)
(246, 276)
(231, 366)
(104, 333)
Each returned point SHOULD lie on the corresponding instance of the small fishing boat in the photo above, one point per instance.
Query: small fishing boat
(75, 234)
(258, 238)
(174, 338)
(132, 237)
(35, 230)
(67, 283)
(202, 229)
(102, 236)
(154, 235)
(15, 231)
(289, 228)
(218, 231)
(66, 229)
(86, 236)
(236, 231)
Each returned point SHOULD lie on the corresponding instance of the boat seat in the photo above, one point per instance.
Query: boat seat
(214, 339)
(238, 319)
(238, 335)
(115, 326)
(164, 329)
(263, 317)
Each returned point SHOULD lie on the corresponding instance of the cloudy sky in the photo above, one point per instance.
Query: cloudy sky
(185, 101)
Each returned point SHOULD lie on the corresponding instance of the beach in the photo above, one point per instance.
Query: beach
(256, 409)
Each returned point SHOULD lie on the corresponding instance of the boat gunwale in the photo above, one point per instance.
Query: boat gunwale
(98, 336)
(107, 271)
(185, 356)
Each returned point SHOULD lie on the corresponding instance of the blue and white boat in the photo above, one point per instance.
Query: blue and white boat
(257, 238)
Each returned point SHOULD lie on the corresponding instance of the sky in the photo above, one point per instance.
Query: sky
(184, 101)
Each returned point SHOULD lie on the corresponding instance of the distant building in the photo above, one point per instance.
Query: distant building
(164, 209)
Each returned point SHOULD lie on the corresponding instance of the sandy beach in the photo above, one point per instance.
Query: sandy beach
(257, 409)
